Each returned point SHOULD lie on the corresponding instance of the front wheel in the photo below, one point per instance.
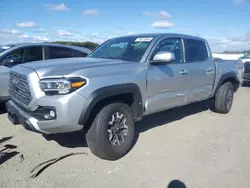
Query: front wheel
(224, 98)
(112, 131)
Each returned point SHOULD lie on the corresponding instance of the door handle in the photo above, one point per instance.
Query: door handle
(184, 72)
(209, 70)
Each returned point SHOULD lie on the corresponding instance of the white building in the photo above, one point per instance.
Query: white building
(227, 56)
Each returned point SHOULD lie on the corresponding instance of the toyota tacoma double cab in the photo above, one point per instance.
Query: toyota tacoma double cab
(121, 81)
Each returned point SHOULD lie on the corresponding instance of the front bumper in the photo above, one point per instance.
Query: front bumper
(68, 111)
(16, 116)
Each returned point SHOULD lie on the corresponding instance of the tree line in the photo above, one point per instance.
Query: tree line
(237, 52)
(89, 45)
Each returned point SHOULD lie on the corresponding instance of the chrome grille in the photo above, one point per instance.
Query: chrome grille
(19, 87)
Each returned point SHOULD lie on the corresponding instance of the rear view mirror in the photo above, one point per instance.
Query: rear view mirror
(163, 58)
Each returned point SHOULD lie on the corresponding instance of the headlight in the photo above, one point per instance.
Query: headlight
(61, 86)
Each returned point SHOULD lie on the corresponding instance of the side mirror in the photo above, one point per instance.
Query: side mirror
(8, 61)
(11, 61)
(163, 58)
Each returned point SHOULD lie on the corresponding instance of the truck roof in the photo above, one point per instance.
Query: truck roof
(178, 35)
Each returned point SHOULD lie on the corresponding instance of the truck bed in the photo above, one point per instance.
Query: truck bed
(228, 66)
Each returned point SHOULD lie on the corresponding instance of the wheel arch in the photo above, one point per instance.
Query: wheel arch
(114, 93)
(228, 77)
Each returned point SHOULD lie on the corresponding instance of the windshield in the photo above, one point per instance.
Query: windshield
(124, 48)
(3, 48)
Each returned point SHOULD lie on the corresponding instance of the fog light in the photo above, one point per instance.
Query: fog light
(50, 115)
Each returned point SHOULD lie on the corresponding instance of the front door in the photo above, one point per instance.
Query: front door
(167, 84)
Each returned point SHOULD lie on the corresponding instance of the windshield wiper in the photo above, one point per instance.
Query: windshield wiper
(104, 57)
(108, 57)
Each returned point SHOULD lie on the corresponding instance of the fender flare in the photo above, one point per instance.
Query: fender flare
(109, 91)
(228, 75)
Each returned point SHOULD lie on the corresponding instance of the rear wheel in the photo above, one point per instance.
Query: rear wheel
(112, 131)
(224, 98)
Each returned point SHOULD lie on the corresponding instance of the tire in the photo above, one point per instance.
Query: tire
(224, 98)
(99, 139)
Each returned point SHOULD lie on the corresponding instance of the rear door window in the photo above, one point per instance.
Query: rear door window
(195, 50)
(58, 52)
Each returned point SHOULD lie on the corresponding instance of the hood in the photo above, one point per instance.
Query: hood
(62, 67)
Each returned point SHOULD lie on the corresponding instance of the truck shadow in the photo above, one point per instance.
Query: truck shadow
(77, 139)
(171, 115)
(163, 118)
(69, 140)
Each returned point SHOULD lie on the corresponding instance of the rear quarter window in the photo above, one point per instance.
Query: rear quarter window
(195, 50)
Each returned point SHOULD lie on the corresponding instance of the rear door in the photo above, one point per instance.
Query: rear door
(200, 70)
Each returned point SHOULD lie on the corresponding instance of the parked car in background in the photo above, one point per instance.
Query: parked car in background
(121, 81)
(246, 60)
(217, 59)
(12, 55)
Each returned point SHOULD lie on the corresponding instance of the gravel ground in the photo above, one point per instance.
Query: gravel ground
(191, 144)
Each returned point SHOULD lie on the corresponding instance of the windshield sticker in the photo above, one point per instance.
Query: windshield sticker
(5, 47)
(145, 39)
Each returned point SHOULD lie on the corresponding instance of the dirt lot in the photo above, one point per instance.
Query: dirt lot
(191, 144)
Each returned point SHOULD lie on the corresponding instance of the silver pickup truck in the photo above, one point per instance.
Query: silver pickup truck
(123, 80)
